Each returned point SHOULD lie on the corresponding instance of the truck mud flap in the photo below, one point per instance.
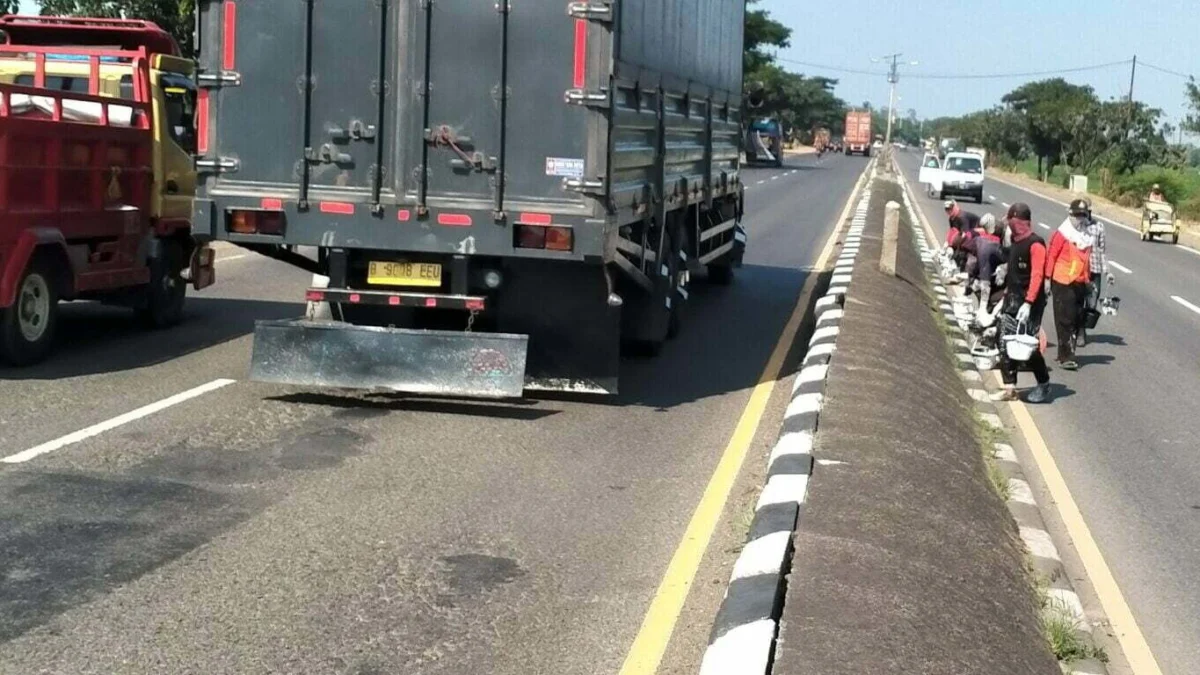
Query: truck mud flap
(333, 354)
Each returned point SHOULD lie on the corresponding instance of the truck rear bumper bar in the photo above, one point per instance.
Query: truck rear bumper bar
(335, 354)
(396, 298)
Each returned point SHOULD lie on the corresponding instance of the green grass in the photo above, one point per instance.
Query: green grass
(1063, 634)
(1182, 186)
(988, 438)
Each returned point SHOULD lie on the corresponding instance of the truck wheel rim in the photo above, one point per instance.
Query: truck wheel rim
(33, 308)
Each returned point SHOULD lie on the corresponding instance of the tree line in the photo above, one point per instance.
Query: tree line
(800, 102)
(1057, 123)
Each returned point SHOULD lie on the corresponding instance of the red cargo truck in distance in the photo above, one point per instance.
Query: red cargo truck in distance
(78, 194)
(858, 132)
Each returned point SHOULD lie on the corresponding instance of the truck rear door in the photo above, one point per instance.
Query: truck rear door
(415, 100)
(280, 132)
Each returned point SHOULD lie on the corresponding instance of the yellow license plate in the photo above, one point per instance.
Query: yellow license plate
(404, 274)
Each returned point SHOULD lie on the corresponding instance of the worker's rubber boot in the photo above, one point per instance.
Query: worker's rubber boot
(1039, 394)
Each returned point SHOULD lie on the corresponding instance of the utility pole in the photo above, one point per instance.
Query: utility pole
(1132, 73)
(893, 77)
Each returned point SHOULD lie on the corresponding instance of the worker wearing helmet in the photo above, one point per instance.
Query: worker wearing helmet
(1156, 194)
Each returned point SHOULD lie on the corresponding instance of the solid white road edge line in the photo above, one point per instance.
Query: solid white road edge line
(1121, 267)
(96, 429)
(1185, 303)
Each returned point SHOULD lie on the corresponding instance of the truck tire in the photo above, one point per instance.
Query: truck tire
(167, 290)
(27, 327)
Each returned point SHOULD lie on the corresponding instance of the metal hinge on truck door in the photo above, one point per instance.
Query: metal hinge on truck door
(598, 10)
(224, 78)
(218, 165)
(591, 99)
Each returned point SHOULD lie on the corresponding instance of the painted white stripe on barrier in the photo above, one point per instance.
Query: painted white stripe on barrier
(971, 376)
(97, 429)
(831, 315)
(840, 279)
(821, 350)
(783, 488)
(964, 358)
(837, 290)
(792, 443)
(992, 420)
(812, 374)
(1039, 543)
(822, 333)
(1005, 452)
(826, 301)
(959, 342)
(762, 556)
(744, 649)
(1068, 600)
(1020, 492)
(804, 403)
(978, 394)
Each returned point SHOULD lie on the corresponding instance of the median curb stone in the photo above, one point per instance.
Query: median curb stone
(742, 641)
(1039, 545)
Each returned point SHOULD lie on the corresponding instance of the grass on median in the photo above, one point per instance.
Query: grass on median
(1064, 634)
(988, 438)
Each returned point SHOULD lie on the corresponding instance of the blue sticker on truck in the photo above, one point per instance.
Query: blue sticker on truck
(566, 167)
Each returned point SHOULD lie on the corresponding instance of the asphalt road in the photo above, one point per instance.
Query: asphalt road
(264, 529)
(1124, 428)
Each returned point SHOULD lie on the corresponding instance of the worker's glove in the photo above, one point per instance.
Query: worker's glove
(1111, 279)
(1023, 313)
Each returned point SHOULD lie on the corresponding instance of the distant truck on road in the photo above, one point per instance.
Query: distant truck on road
(500, 196)
(857, 139)
(96, 175)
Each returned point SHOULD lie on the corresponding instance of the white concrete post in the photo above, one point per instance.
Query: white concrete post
(891, 235)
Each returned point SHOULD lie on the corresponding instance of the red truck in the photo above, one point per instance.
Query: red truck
(83, 214)
(858, 133)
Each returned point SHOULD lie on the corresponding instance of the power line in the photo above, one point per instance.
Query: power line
(959, 76)
(1168, 71)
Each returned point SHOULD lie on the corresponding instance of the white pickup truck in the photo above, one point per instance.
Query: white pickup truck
(960, 174)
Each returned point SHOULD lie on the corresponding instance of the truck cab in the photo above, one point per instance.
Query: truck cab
(109, 106)
(173, 93)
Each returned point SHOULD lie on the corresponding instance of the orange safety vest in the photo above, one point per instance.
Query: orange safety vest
(1073, 264)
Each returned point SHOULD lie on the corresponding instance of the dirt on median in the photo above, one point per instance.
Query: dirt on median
(906, 560)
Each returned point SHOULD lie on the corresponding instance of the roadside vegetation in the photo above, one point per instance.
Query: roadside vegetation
(1051, 129)
(802, 103)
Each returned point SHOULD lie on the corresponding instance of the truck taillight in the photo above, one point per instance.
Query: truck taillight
(550, 238)
(559, 238)
(243, 221)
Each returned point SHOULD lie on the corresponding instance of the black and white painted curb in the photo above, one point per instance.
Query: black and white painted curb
(743, 636)
(1060, 595)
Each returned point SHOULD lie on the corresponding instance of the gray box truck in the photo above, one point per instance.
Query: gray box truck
(501, 196)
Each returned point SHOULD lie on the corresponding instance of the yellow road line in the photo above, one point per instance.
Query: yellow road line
(1133, 643)
(658, 625)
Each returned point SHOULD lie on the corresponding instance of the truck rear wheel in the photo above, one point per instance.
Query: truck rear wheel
(167, 291)
(27, 327)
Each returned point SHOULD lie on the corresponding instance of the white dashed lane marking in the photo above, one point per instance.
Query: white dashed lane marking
(1185, 303)
(1120, 267)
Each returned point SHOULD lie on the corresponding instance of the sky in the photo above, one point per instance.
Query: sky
(984, 37)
